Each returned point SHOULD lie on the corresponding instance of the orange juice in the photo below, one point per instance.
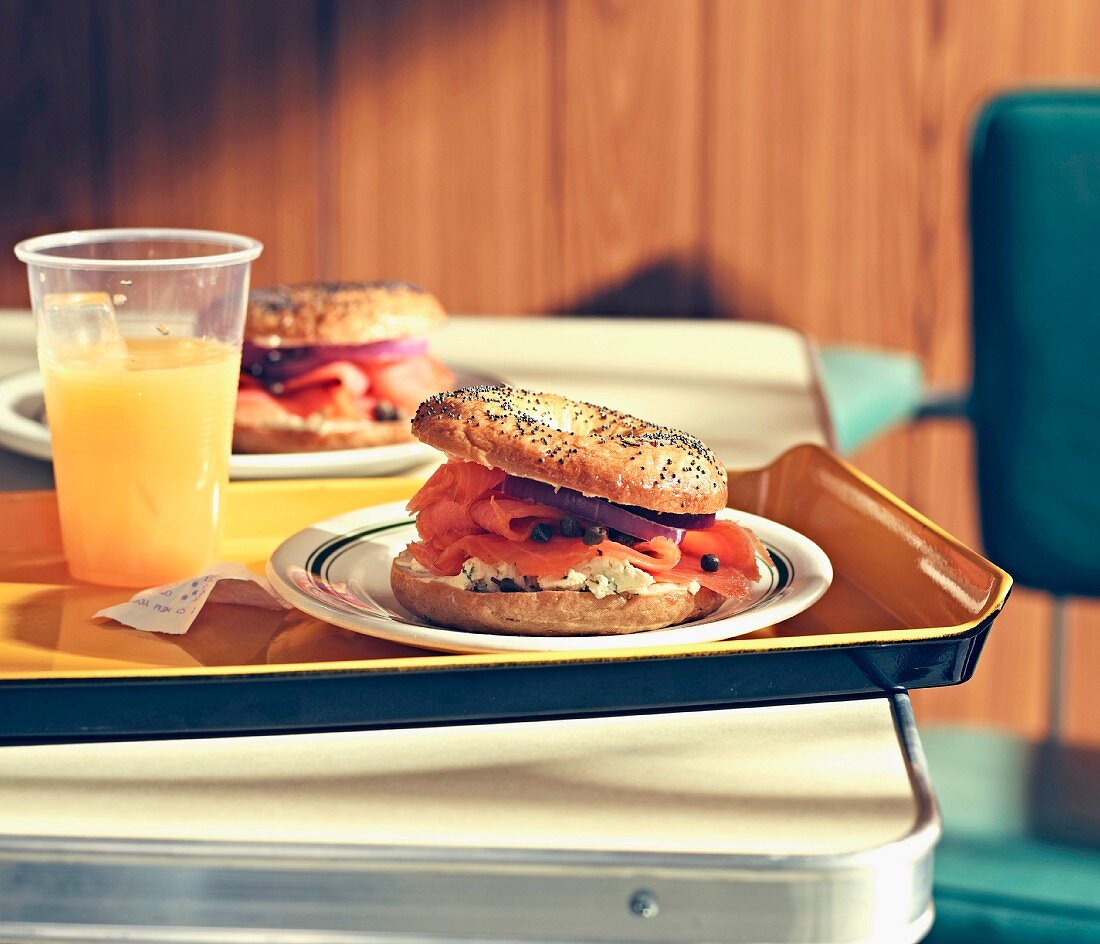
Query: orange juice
(141, 444)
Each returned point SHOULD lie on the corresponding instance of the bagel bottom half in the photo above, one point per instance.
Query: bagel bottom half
(289, 437)
(547, 612)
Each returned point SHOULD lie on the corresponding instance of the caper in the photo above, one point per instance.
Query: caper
(570, 528)
(541, 533)
(385, 412)
(594, 535)
(710, 563)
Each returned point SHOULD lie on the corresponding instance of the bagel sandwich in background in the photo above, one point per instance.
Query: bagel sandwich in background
(335, 365)
(560, 518)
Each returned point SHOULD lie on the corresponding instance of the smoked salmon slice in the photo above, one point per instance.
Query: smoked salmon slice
(334, 373)
(408, 380)
(432, 490)
(552, 560)
(332, 402)
(461, 515)
(344, 389)
(461, 482)
(664, 561)
(445, 521)
(255, 406)
(512, 518)
(427, 555)
(733, 545)
(472, 481)
(654, 557)
(335, 390)
(727, 581)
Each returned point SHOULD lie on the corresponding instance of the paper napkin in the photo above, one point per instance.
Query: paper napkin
(174, 607)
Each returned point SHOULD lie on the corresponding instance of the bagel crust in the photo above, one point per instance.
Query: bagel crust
(570, 444)
(547, 612)
(340, 313)
(322, 437)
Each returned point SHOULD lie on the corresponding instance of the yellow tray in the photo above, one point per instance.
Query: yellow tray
(909, 607)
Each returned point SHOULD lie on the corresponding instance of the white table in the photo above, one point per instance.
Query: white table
(791, 823)
(780, 823)
(749, 390)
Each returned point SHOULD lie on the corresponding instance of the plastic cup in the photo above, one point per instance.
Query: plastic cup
(139, 342)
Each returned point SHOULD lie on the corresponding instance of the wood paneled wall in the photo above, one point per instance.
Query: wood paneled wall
(796, 161)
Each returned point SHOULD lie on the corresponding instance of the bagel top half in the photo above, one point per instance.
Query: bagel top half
(594, 450)
(340, 313)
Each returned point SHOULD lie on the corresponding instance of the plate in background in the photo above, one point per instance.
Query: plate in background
(23, 429)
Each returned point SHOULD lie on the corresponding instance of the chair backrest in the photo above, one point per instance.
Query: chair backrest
(1035, 238)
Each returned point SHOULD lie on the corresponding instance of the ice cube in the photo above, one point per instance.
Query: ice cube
(76, 322)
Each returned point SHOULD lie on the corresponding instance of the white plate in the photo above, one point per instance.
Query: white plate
(339, 571)
(23, 429)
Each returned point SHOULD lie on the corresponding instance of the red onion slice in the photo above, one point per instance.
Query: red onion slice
(674, 519)
(617, 517)
(279, 364)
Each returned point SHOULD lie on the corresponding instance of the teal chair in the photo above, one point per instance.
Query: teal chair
(869, 391)
(1020, 857)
